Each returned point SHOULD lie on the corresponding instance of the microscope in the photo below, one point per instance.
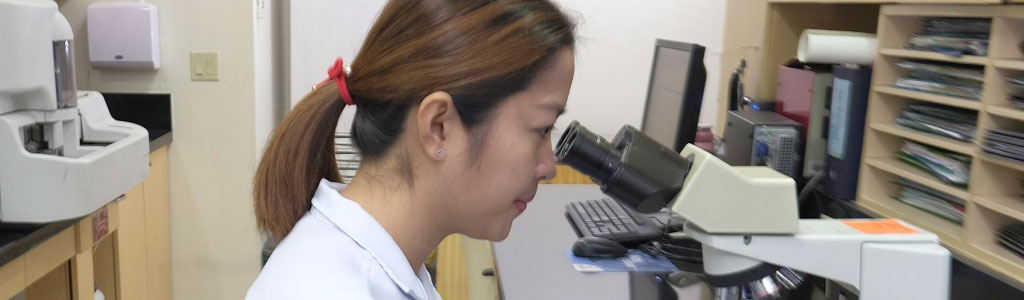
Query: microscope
(62, 155)
(754, 245)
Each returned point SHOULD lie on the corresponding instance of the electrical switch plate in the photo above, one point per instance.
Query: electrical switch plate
(205, 66)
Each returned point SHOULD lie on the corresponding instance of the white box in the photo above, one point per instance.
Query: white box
(123, 35)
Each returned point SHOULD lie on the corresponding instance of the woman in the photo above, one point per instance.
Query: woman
(456, 102)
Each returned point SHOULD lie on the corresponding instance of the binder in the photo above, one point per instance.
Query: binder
(803, 95)
(850, 87)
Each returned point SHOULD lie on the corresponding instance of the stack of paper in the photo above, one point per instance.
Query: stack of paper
(953, 36)
(937, 203)
(1011, 237)
(1005, 144)
(951, 168)
(956, 80)
(1016, 83)
(955, 123)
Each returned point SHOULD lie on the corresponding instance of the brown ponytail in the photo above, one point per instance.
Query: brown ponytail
(479, 51)
(289, 172)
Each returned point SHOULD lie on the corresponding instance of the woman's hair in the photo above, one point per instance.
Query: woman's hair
(478, 51)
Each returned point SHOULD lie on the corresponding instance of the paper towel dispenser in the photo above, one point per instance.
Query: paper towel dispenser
(123, 35)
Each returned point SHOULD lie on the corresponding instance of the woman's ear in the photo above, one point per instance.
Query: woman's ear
(436, 121)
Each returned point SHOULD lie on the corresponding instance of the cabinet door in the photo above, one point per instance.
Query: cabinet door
(130, 246)
(158, 232)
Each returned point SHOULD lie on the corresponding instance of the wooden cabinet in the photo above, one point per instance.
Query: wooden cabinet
(158, 227)
(143, 239)
(130, 246)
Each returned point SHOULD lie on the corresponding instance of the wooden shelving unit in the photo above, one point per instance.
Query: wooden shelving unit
(964, 148)
(926, 97)
(917, 54)
(1005, 112)
(994, 195)
(1009, 64)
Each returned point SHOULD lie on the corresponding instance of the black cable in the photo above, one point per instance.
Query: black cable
(685, 254)
(736, 86)
(734, 81)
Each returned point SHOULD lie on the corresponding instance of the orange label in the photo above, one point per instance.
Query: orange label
(879, 226)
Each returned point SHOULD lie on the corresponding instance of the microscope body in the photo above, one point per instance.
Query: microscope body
(752, 220)
(747, 222)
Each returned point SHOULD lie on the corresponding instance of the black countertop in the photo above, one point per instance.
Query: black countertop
(152, 111)
(16, 239)
(159, 139)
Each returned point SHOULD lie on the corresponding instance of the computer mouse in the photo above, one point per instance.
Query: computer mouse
(592, 246)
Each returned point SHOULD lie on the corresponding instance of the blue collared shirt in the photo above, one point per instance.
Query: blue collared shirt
(339, 251)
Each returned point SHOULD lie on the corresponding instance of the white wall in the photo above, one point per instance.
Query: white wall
(616, 44)
(214, 243)
(268, 68)
(311, 49)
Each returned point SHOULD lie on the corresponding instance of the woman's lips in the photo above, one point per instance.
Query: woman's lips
(520, 205)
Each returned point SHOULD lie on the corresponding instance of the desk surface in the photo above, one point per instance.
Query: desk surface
(531, 262)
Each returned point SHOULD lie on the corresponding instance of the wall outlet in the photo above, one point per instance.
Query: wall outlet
(205, 66)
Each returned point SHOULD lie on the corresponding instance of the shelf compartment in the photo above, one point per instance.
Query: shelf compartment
(965, 148)
(901, 169)
(1007, 34)
(997, 91)
(1007, 163)
(1004, 262)
(1005, 205)
(1009, 64)
(961, 11)
(1005, 111)
(983, 228)
(928, 97)
(933, 56)
(947, 231)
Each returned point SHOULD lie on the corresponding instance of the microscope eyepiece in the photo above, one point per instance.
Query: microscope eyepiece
(633, 168)
(587, 152)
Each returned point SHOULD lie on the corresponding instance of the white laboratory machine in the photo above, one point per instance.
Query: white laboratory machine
(746, 221)
(62, 155)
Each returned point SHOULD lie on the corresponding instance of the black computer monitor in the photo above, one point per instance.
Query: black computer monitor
(674, 93)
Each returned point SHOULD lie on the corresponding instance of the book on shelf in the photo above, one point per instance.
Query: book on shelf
(951, 168)
(1004, 144)
(1011, 237)
(953, 36)
(937, 203)
(941, 120)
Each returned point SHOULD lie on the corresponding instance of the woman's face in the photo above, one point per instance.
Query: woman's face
(512, 154)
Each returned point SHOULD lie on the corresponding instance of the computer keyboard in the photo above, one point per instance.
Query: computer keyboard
(608, 219)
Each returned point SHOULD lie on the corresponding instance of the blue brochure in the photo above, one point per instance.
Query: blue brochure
(634, 261)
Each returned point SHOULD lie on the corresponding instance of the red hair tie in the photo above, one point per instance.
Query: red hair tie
(337, 73)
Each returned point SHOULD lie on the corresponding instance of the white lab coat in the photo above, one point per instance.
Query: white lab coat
(339, 251)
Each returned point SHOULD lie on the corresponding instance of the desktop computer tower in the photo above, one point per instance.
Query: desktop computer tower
(763, 138)
(777, 147)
